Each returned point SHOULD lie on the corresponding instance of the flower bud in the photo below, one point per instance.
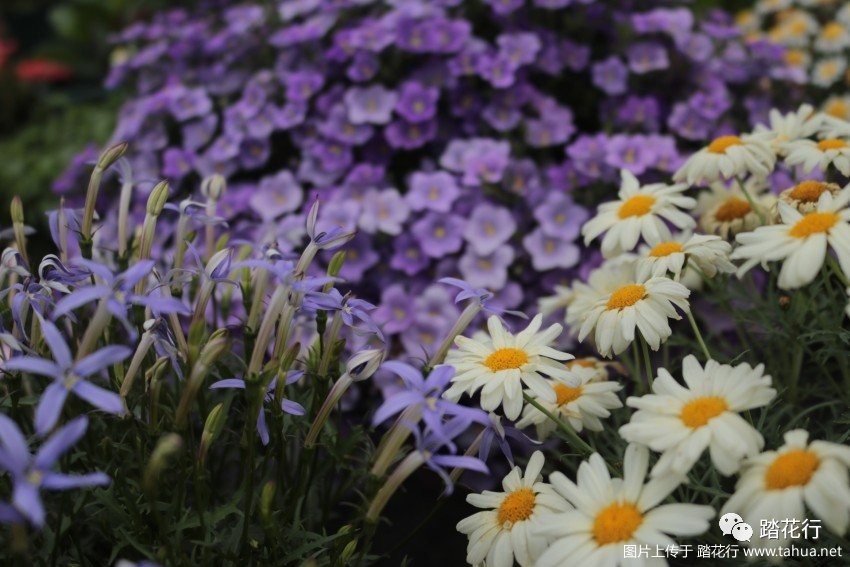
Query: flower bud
(111, 154)
(213, 186)
(267, 500)
(158, 198)
(168, 446)
(363, 364)
(212, 429)
(16, 210)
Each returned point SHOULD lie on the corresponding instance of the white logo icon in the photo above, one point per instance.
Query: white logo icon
(742, 531)
(734, 525)
(728, 521)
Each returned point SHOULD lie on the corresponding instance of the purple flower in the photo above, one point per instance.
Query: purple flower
(188, 103)
(410, 135)
(177, 163)
(432, 442)
(434, 191)
(69, 376)
(383, 211)
(638, 111)
(438, 234)
(487, 270)
(520, 48)
(254, 152)
(611, 75)
(549, 252)
(359, 257)
(560, 217)
(288, 406)
(687, 123)
(489, 226)
(416, 102)
(31, 473)
(427, 395)
(632, 153)
(370, 105)
(350, 309)
(408, 256)
(589, 155)
(275, 195)
(645, 57)
(395, 313)
(302, 85)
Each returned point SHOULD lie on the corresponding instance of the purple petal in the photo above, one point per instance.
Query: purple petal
(160, 305)
(58, 481)
(78, 298)
(133, 275)
(63, 439)
(96, 268)
(228, 383)
(291, 407)
(57, 344)
(262, 428)
(411, 376)
(461, 461)
(110, 402)
(103, 358)
(17, 452)
(9, 515)
(49, 407)
(27, 501)
(394, 404)
(34, 365)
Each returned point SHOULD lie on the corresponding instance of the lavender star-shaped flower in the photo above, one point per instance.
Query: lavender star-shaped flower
(69, 376)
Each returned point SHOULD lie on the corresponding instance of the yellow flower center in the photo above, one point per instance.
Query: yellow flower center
(582, 362)
(831, 144)
(616, 523)
(516, 507)
(831, 31)
(440, 232)
(795, 57)
(700, 411)
(721, 144)
(636, 206)
(808, 191)
(837, 108)
(733, 208)
(506, 359)
(794, 468)
(626, 296)
(565, 394)
(665, 249)
(813, 223)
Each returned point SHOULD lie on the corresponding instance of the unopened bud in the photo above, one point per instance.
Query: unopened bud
(158, 198)
(212, 429)
(348, 552)
(16, 210)
(335, 265)
(111, 154)
(168, 446)
(213, 186)
(363, 364)
(267, 500)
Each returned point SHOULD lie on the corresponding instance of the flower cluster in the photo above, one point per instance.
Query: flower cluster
(446, 133)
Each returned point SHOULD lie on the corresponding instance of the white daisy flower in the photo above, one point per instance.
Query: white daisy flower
(612, 513)
(681, 422)
(683, 255)
(766, 7)
(801, 241)
(802, 123)
(832, 38)
(500, 364)
(804, 196)
(508, 528)
(794, 29)
(843, 14)
(821, 154)
(622, 304)
(599, 367)
(799, 59)
(727, 157)
(783, 483)
(560, 300)
(582, 406)
(726, 211)
(827, 71)
(838, 107)
(641, 211)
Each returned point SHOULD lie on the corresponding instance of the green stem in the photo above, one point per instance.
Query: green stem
(565, 428)
(751, 201)
(698, 335)
(647, 363)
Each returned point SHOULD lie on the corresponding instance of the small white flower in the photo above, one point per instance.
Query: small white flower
(727, 157)
(683, 255)
(616, 303)
(582, 406)
(801, 123)
(837, 107)
(804, 196)
(612, 513)
(827, 71)
(782, 483)
(681, 422)
(726, 211)
(801, 241)
(832, 38)
(500, 364)
(821, 154)
(640, 211)
(509, 525)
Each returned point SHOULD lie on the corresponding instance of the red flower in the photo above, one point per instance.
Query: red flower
(7, 47)
(41, 71)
